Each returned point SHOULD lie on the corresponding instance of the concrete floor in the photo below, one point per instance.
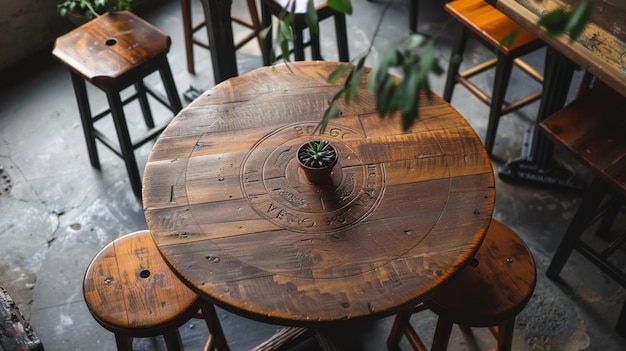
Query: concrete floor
(58, 212)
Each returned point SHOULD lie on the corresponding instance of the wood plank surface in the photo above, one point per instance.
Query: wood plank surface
(235, 217)
(600, 49)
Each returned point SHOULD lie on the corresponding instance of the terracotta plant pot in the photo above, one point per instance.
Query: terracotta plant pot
(319, 174)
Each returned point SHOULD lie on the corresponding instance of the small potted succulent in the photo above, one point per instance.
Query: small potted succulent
(317, 159)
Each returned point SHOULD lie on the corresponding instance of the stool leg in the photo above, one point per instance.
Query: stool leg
(169, 85)
(126, 145)
(298, 41)
(80, 90)
(145, 105)
(413, 10)
(399, 325)
(592, 199)
(124, 343)
(185, 6)
(455, 62)
(213, 323)
(620, 327)
(505, 335)
(172, 340)
(316, 52)
(266, 20)
(254, 17)
(442, 335)
(504, 66)
(342, 37)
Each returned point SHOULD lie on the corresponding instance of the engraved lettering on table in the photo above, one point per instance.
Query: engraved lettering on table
(306, 209)
(335, 132)
(289, 217)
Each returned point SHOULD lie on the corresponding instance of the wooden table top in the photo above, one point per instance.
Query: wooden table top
(237, 220)
(600, 49)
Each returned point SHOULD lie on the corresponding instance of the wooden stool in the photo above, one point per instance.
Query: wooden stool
(277, 7)
(491, 291)
(591, 128)
(130, 290)
(490, 26)
(189, 29)
(112, 52)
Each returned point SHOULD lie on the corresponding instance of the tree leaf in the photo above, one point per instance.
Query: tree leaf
(344, 6)
(578, 19)
(310, 17)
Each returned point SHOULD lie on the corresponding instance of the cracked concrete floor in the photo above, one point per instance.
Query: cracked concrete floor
(58, 211)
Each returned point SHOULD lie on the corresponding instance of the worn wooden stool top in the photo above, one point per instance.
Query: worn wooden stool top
(592, 128)
(489, 23)
(104, 49)
(129, 288)
(494, 287)
(236, 218)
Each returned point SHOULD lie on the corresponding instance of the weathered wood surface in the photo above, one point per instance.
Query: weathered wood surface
(592, 128)
(129, 288)
(237, 220)
(601, 48)
(99, 50)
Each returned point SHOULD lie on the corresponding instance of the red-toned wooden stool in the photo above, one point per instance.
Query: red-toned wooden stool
(113, 52)
(189, 29)
(490, 26)
(490, 292)
(130, 290)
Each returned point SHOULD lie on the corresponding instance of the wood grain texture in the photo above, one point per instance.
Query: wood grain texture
(241, 225)
(600, 49)
(110, 46)
(495, 287)
(592, 128)
(489, 23)
(129, 289)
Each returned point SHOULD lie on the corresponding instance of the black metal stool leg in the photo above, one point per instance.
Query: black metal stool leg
(504, 66)
(342, 37)
(592, 199)
(126, 145)
(266, 21)
(143, 102)
(456, 57)
(80, 89)
(298, 41)
(169, 85)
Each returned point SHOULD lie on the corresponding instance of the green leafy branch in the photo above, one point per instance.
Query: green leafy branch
(92, 8)
(413, 57)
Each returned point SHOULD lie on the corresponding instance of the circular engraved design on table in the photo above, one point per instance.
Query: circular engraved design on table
(277, 189)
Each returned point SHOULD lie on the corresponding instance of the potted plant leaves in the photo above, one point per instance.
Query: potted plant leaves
(80, 11)
(317, 159)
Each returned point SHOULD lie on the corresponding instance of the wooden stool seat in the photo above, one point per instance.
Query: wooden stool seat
(298, 8)
(490, 27)
(130, 290)
(112, 52)
(592, 129)
(491, 291)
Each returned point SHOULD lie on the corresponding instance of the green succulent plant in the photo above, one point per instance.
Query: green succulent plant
(317, 154)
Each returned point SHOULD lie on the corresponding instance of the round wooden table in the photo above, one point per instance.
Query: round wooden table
(237, 220)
